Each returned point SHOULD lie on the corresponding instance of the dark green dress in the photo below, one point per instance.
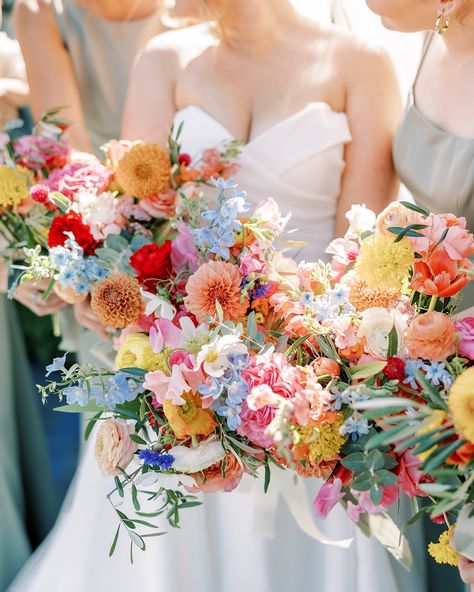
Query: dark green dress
(28, 504)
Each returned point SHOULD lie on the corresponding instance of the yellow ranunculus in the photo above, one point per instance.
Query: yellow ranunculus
(136, 352)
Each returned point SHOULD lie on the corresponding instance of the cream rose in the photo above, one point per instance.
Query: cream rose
(376, 325)
(193, 460)
(113, 446)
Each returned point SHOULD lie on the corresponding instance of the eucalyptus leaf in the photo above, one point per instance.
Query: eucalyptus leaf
(137, 540)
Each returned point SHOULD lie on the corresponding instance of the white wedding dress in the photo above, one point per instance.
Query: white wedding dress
(242, 540)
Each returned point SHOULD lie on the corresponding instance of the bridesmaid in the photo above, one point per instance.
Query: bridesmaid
(434, 146)
(87, 48)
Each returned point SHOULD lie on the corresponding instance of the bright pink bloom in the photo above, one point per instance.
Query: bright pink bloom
(39, 152)
(465, 331)
(409, 475)
(73, 177)
(328, 496)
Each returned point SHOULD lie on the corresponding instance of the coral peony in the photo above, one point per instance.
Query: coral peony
(113, 446)
(215, 281)
(152, 263)
(117, 301)
(431, 336)
(465, 332)
(144, 170)
(71, 222)
(222, 476)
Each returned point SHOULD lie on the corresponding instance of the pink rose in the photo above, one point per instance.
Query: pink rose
(328, 496)
(162, 205)
(275, 373)
(409, 476)
(73, 177)
(465, 331)
(113, 446)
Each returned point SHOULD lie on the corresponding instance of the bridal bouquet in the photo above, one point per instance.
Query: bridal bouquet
(404, 272)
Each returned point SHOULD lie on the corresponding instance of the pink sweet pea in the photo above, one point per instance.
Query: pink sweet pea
(163, 334)
(465, 330)
(328, 496)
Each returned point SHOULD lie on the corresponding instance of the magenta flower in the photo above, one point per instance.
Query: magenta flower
(465, 331)
(328, 496)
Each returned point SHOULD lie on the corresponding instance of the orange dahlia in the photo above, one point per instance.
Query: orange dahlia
(144, 170)
(215, 281)
(189, 419)
(117, 301)
(362, 297)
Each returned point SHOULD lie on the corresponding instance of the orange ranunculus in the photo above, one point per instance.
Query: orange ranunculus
(439, 275)
(189, 419)
(431, 336)
(326, 366)
(463, 455)
(219, 478)
(354, 352)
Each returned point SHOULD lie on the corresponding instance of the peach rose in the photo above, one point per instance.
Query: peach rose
(395, 215)
(431, 336)
(326, 366)
(212, 480)
(113, 446)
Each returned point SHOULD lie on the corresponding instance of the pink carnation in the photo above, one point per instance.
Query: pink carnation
(73, 177)
(38, 152)
(465, 331)
(284, 380)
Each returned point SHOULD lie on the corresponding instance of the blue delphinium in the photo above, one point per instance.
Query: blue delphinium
(57, 365)
(218, 236)
(119, 389)
(153, 458)
(77, 394)
(437, 374)
(229, 391)
(411, 367)
(355, 426)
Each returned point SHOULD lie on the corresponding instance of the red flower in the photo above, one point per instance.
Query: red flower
(395, 369)
(71, 222)
(152, 263)
(184, 158)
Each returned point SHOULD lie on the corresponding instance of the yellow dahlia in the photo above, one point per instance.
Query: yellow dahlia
(362, 297)
(442, 552)
(215, 281)
(189, 419)
(117, 301)
(136, 352)
(461, 404)
(383, 263)
(320, 443)
(13, 186)
(144, 170)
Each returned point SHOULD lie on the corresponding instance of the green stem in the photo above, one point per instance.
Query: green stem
(434, 300)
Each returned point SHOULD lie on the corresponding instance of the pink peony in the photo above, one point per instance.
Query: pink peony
(38, 152)
(162, 205)
(275, 373)
(465, 331)
(409, 476)
(73, 177)
(328, 496)
(184, 254)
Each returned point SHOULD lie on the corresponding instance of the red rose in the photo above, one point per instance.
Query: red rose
(73, 223)
(152, 263)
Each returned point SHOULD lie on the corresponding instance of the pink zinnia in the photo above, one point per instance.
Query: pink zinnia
(215, 281)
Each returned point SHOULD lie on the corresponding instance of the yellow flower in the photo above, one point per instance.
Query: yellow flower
(442, 552)
(189, 419)
(383, 263)
(144, 170)
(13, 186)
(322, 443)
(437, 418)
(136, 352)
(461, 404)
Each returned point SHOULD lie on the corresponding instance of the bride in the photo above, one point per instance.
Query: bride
(317, 110)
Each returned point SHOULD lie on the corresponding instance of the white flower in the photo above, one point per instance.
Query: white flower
(193, 460)
(376, 325)
(215, 355)
(361, 219)
(156, 305)
(193, 338)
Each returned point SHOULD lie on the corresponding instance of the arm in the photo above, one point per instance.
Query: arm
(373, 107)
(48, 66)
(150, 105)
(466, 569)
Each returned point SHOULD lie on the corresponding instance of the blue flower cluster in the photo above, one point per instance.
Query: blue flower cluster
(350, 395)
(411, 367)
(119, 389)
(329, 306)
(153, 458)
(222, 223)
(229, 391)
(354, 426)
(73, 269)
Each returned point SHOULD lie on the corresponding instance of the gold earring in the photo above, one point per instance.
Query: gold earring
(442, 24)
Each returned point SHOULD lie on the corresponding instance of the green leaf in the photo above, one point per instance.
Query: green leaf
(136, 503)
(267, 477)
(388, 436)
(137, 540)
(375, 460)
(367, 370)
(434, 488)
(392, 343)
(219, 312)
(137, 439)
(355, 462)
(376, 494)
(119, 486)
(431, 390)
(91, 406)
(114, 542)
(386, 477)
(437, 457)
(90, 425)
(363, 481)
(191, 504)
(415, 208)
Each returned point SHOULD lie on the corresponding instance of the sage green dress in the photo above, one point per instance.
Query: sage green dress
(437, 167)
(28, 505)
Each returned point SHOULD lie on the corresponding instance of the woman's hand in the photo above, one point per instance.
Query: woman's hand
(466, 569)
(86, 318)
(31, 294)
